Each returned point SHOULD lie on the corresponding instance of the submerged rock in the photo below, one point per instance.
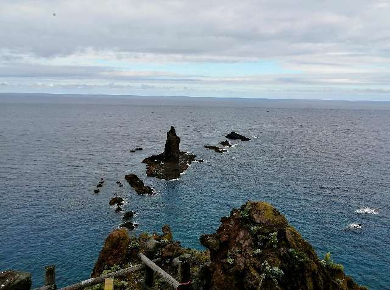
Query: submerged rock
(138, 184)
(172, 162)
(15, 280)
(235, 136)
(128, 215)
(215, 148)
(256, 248)
(226, 143)
(113, 252)
(129, 225)
(116, 200)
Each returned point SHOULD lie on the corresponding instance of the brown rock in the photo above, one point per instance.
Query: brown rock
(172, 162)
(116, 200)
(256, 248)
(113, 253)
(138, 185)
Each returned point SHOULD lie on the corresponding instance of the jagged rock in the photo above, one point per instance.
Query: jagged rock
(116, 200)
(138, 184)
(113, 252)
(128, 215)
(256, 248)
(172, 151)
(118, 208)
(15, 280)
(235, 136)
(215, 148)
(129, 225)
(172, 162)
(226, 143)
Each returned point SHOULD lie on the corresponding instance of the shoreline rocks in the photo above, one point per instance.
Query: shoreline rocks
(235, 136)
(15, 280)
(172, 162)
(255, 248)
(138, 185)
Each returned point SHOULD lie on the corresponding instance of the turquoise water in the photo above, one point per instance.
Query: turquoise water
(317, 162)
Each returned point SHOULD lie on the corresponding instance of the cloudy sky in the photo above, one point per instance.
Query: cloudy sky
(328, 49)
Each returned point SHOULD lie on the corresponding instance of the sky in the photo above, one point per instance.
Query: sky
(324, 49)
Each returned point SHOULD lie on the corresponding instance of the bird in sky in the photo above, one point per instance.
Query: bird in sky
(54, 14)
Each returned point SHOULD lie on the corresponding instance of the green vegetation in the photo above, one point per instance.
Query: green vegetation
(328, 262)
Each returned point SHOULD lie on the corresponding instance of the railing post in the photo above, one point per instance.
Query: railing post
(109, 284)
(149, 273)
(185, 275)
(50, 276)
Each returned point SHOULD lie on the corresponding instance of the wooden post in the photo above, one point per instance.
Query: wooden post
(185, 275)
(50, 276)
(109, 284)
(149, 273)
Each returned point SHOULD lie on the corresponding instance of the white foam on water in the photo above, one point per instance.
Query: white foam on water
(354, 226)
(367, 210)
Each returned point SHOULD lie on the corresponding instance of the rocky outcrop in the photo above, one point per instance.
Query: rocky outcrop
(15, 280)
(113, 252)
(215, 148)
(256, 248)
(225, 143)
(172, 162)
(128, 215)
(235, 136)
(138, 185)
(116, 200)
(129, 225)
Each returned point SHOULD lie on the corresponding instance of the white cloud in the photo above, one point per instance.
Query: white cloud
(330, 43)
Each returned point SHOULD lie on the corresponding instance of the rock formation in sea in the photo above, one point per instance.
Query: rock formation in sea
(116, 200)
(172, 162)
(138, 185)
(254, 248)
(235, 136)
(225, 143)
(215, 148)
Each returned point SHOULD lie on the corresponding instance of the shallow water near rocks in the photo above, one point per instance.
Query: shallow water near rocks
(318, 163)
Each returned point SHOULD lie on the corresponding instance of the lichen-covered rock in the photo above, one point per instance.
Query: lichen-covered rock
(138, 185)
(256, 248)
(172, 162)
(15, 280)
(113, 253)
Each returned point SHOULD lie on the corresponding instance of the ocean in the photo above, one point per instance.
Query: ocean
(318, 162)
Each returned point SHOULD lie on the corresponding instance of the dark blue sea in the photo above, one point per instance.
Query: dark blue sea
(316, 161)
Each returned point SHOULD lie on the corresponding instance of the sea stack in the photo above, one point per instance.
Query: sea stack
(172, 162)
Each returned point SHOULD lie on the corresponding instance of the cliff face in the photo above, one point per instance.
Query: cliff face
(256, 248)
